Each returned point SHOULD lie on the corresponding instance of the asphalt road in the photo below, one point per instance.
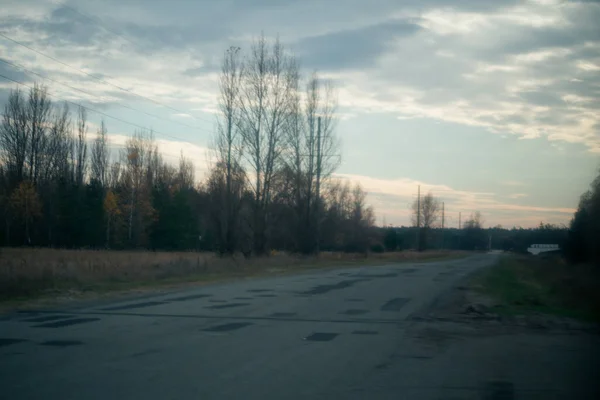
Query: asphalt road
(336, 334)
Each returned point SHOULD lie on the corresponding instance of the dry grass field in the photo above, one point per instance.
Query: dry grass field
(31, 272)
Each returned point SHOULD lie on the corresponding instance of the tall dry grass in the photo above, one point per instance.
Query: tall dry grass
(27, 272)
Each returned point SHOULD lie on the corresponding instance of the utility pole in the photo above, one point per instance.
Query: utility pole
(419, 218)
(459, 230)
(318, 200)
(442, 224)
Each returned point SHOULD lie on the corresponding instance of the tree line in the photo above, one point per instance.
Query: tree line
(583, 242)
(270, 185)
(428, 232)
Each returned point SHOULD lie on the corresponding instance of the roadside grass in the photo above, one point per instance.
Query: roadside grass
(31, 274)
(544, 284)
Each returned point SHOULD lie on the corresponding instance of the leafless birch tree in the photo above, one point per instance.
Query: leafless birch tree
(100, 156)
(228, 151)
(14, 137)
(38, 116)
(81, 146)
(266, 97)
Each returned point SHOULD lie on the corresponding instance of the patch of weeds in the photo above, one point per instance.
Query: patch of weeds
(524, 285)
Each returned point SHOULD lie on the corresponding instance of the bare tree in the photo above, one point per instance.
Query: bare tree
(228, 148)
(325, 146)
(81, 146)
(296, 170)
(430, 210)
(38, 114)
(266, 97)
(55, 167)
(114, 175)
(185, 174)
(100, 156)
(59, 146)
(425, 214)
(141, 159)
(14, 137)
(311, 154)
(475, 221)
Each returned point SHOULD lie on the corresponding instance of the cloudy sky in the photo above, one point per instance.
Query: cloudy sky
(490, 105)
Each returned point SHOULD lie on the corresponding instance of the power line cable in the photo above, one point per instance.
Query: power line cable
(94, 95)
(98, 112)
(101, 80)
(95, 21)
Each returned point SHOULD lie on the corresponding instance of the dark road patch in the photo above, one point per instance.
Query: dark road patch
(266, 295)
(66, 322)
(47, 318)
(321, 337)
(134, 305)
(354, 300)
(282, 314)
(29, 312)
(408, 270)
(190, 297)
(365, 333)
(388, 275)
(145, 353)
(217, 301)
(227, 327)
(231, 305)
(498, 390)
(259, 290)
(243, 298)
(61, 343)
(321, 289)
(395, 304)
(354, 311)
(9, 341)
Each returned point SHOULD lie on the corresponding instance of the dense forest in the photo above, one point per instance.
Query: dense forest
(270, 186)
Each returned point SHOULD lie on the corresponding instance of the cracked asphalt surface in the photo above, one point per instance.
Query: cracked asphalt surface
(338, 334)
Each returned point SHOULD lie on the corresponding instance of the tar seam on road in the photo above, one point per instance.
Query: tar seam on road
(227, 327)
(190, 297)
(266, 318)
(134, 305)
(46, 318)
(61, 343)
(66, 322)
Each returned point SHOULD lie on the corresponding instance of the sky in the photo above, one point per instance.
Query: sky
(492, 106)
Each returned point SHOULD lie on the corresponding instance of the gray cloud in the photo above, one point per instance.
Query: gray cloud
(542, 98)
(353, 48)
(472, 77)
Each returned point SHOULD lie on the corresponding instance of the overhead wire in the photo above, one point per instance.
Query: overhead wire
(94, 95)
(100, 112)
(95, 20)
(100, 79)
